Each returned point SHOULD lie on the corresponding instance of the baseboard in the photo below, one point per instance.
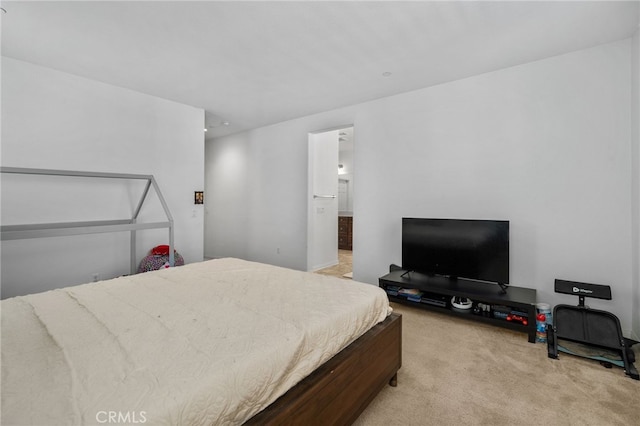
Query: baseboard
(323, 266)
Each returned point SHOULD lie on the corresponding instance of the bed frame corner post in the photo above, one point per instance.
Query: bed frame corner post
(169, 218)
(172, 257)
(133, 250)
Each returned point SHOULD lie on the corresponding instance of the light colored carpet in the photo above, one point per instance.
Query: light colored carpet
(458, 372)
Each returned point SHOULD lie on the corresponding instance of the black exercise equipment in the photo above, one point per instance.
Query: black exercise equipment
(590, 333)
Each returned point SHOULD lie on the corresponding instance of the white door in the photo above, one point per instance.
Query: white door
(322, 249)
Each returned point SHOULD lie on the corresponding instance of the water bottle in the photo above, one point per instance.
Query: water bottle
(545, 308)
(541, 328)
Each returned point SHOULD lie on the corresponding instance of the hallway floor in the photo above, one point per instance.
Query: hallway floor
(344, 267)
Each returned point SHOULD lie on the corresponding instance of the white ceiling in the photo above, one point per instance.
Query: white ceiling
(258, 63)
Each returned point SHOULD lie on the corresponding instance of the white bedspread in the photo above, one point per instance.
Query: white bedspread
(206, 343)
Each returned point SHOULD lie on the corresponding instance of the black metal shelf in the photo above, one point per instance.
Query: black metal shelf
(519, 299)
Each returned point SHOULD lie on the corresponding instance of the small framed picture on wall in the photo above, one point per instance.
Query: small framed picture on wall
(199, 197)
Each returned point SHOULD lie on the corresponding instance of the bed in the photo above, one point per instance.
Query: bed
(224, 341)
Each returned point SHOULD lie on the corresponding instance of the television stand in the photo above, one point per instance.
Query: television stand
(504, 306)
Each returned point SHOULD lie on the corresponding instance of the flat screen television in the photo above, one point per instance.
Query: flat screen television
(457, 248)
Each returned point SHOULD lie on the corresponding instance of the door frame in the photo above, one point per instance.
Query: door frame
(310, 207)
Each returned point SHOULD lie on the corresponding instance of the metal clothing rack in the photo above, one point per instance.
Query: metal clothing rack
(43, 230)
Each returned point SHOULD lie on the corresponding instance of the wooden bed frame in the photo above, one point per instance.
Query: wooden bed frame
(339, 390)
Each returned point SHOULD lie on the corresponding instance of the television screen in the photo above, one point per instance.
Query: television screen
(473, 249)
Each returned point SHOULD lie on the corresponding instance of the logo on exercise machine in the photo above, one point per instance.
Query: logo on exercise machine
(582, 290)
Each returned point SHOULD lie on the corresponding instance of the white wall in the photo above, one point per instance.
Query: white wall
(256, 191)
(635, 132)
(546, 145)
(56, 120)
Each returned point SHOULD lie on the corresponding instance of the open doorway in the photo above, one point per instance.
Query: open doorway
(344, 266)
